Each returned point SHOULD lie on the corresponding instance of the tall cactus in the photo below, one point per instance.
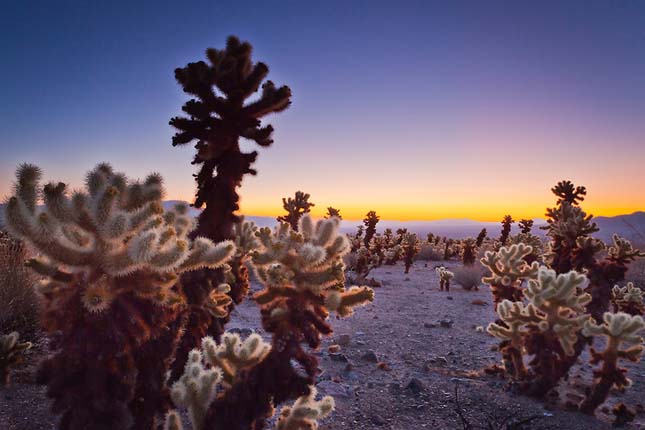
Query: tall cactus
(109, 257)
(370, 221)
(506, 229)
(216, 119)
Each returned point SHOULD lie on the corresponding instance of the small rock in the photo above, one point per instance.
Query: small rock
(415, 386)
(343, 340)
(360, 333)
(370, 356)
(479, 302)
(360, 342)
(447, 323)
(406, 279)
(334, 389)
(333, 348)
(377, 420)
(338, 357)
(449, 298)
(429, 325)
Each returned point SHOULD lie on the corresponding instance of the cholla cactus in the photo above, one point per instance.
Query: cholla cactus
(224, 111)
(109, 258)
(480, 238)
(212, 367)
(305, 412)
(370, 221)
(11, 353)
(196, 389)
(444, 278)
(296, 207)
(546, 327)
(393, 254)
(303, 275)
(468, 251)
(525, 226)
(506, 229)
(533, 241)
(333, 212)
(508, 270)
(410, 247)
(628, 299)
(377, 248)
(618, 328)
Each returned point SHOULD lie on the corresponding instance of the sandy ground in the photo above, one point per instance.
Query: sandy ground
(425, 362)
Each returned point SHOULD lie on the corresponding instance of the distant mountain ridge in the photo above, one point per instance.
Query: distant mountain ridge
(631, 226)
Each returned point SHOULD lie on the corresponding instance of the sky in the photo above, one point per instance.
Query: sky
(418, 110)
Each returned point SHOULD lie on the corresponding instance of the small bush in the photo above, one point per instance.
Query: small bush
(469, 277)
(428, 253)
(18, 300)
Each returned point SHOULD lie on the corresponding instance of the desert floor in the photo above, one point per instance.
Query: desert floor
(430, 348)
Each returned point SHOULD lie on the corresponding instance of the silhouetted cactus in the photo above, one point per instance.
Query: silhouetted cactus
(400, 235)
(410, 247)
(11, 353)
(296, 207)
(217, 118)
(480, 238)
(468, 251)
(370, 221)
(333, 212)
(110, 257)
(525, 225)
(506, 229)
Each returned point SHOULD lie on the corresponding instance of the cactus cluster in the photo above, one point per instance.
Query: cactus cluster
(410, 246)
(109, 258)
(564, 304)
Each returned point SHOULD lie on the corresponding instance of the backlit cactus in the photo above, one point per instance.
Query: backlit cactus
(508, 270)
(296, 207)
(303, 275)
(11, 353)
(305, 412)
(109, 257)
(628, 299)
(546, 327)
(444, 278)
(619, 328)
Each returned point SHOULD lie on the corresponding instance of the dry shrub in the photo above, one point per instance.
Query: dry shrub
(428, 253)
(469, 277)
(350, 260)
(18, 301)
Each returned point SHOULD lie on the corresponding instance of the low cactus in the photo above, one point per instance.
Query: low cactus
(11, 353)
(305, 412)
(410, 247)
(468, 251)
(619, 328)
(444, 278)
